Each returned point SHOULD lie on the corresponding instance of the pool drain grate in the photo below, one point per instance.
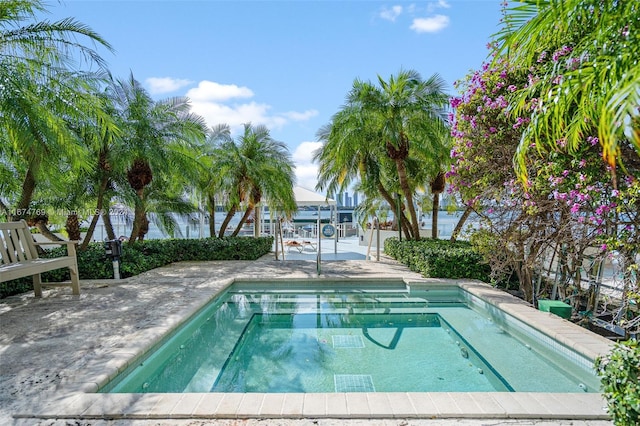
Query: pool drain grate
(347, 341)
(353, 383)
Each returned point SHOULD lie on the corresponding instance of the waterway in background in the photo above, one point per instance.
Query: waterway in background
(193, 226)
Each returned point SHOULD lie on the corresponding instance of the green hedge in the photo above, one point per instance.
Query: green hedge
(619, 373)
(439, 258)
(140, 257)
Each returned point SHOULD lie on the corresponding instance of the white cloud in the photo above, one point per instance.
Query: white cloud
(301, 116)
(390, 14)
(159, 85)
(233, 115)
(306, 170)
(210, 91)
(440, 4)
(230, 104)
(432, 24)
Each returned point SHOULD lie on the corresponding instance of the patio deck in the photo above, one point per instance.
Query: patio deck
(56, 351)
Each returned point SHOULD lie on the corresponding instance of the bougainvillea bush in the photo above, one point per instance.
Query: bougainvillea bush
(565, 211)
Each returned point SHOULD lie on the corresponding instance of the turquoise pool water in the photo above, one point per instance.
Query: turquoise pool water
(338, 338)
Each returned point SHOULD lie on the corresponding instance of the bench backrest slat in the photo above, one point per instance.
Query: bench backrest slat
(4, 253)
(17, 242)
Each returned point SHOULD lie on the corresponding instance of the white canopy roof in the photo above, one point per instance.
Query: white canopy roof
(306, 197)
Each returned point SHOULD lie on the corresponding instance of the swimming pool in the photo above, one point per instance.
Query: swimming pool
(354, 337)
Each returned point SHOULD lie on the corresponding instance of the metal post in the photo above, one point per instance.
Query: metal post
(398, 218)
(116, 269)
(319, 256)
(377, 224)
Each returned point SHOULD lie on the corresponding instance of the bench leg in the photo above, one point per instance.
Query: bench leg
(37, 285)
(75, 282)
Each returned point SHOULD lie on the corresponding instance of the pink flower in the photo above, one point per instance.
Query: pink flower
(455, 102)
(562, 196)
(520, 121)
(575, 208)
(563, 51)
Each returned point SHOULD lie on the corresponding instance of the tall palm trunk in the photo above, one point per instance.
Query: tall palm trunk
(227, 219)
(403, 221)
(257, 215)
(212, 215)
(105, 168)
(437, 186)
(460, 224)
(140, 221)
(434, 215)
(94, 220)
(244, 218)
(404, 185)
(139, 176)
(398, 155)
(108, 226)
(28, 187)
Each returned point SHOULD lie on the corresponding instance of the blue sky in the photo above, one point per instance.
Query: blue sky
(286, 64)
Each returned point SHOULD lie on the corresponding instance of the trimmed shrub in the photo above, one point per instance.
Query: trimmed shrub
(140, 257)
(619, 373)
(439, 258)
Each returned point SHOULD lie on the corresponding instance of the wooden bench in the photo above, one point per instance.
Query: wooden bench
(19, 257)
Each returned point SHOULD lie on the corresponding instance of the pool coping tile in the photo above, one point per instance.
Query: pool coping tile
(272, 405)
(293, 405)
(337, 404)
(229, 405)
(401, 405)
(250, 405)
(208, 404)
(147, 405)
(314, 405)
(379, 404)
(186, 406)
(422, 404)
(358, 405)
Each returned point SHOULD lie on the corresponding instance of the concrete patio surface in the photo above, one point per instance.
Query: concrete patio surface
(55, 352)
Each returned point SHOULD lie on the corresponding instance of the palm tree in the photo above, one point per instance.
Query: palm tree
(584, 56)
(350, 153)
(153, 133)
(255, 167)
(40, 93)
(407, 117)
(101, 136)
(43, 46)
(209, 185)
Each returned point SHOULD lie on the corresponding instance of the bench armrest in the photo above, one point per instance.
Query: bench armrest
(71, 245)
(44, 243)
